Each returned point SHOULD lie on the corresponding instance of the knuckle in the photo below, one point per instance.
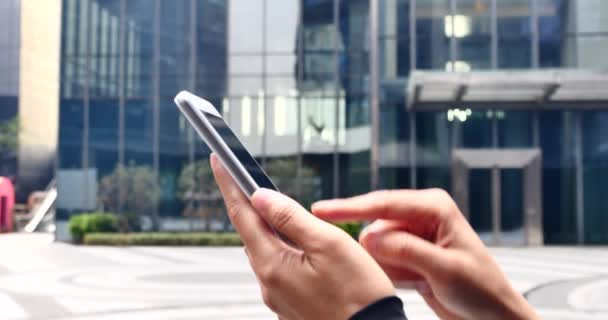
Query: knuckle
(234, 209)
(383, 198)
(444, 202)
(382, 194)
(336, 239)
(440, 194)
(404, 248)
(283, 216)
(270, 276)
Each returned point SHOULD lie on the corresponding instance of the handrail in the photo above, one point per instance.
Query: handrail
(42, 209)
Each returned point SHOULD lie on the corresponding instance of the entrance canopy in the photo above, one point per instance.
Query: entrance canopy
(515, 89)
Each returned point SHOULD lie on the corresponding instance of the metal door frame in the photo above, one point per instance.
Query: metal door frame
(528, 160)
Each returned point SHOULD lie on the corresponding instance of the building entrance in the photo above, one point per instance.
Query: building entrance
(499, 191)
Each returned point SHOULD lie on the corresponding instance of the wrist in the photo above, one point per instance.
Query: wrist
(516, 307)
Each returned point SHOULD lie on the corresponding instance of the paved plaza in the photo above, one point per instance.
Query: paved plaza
(40, 279)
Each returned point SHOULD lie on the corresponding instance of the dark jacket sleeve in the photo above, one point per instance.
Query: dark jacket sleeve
(390, 308)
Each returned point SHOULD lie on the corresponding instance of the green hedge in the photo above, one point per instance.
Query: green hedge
(353, 229)
(162, 239)
(96, 222)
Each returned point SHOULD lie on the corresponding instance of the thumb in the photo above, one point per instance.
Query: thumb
(288, 218)
(402, 249)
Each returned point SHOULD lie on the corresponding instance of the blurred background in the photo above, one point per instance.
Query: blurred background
(502, 103)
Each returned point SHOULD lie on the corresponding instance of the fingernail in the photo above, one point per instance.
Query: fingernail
(318, 205)
(373, 228)
(371, 240)
(323, 205)
(422, 287)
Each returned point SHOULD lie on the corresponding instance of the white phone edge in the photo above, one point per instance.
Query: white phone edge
(186, 100)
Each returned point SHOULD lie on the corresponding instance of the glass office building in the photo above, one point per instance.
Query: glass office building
(9, 76)
(329, 95)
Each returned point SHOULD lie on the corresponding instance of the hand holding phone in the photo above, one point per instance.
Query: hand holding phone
(327, 276)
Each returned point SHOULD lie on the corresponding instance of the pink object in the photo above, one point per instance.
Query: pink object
(7, 201)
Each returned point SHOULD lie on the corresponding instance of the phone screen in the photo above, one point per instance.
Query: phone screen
(248, 162)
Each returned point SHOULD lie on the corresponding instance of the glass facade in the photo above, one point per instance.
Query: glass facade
(9, 76)
(292, 78)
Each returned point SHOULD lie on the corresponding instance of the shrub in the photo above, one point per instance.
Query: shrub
(163, 239)
(199, 193)
(353, 229)
(283, 172)
(82, 224)
(76, 227)
(131, 189)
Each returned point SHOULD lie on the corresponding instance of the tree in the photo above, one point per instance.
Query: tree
(283, 173)
(9, 136)
(132, 191)
(199, 192)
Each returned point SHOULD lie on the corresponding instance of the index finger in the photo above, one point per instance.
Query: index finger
(255, 234)
(387, 204)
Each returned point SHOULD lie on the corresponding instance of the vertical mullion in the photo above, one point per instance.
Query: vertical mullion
(534, 36)
(192, 86)
(156, 104)
(412, 35)
(121, 97)
(495, 130)
(413, 147)
(192, 69)
(536, 129)
(374, 95)
(299, 80)
(412, 114)
(86, 105)
(264, 87)
(453, 49)
(578, 163)
(493, 35)
(494, 64)
(336, 156)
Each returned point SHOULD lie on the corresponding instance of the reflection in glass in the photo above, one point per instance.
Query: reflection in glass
(432, 35)
(551, 32)
(281, 25)
(139, 48)
(394, 38)
(515, 130)
(103, 136)
(319, 40)
(432, 150)
(514, 33)
(477, 128)
(512, 207)
(175, 48)
(173, 157)
(559, 182)
(245, 18)
(394, 64)
(394, 141)
(480, 202)
(70, 134)
(138, 132)
(595, 162)
(471, 26)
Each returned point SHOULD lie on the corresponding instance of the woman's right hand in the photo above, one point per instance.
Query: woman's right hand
(421, 236)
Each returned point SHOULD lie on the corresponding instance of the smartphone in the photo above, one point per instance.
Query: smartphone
(212, 128)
